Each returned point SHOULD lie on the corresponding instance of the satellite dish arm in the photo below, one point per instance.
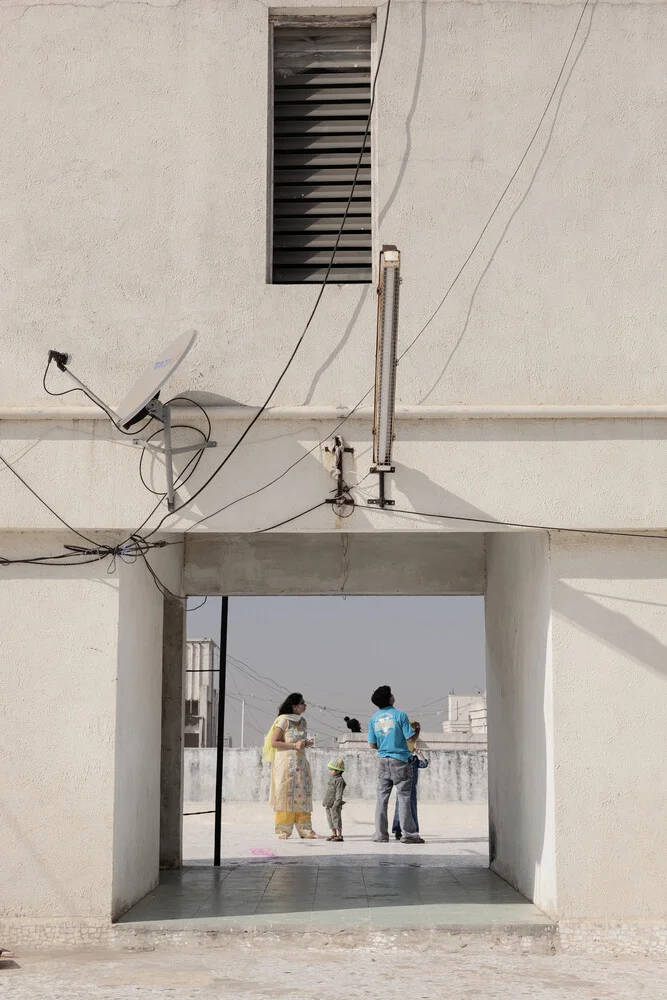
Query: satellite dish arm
(61, 359)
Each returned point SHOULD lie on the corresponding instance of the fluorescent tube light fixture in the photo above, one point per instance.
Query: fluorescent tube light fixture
(385, 366)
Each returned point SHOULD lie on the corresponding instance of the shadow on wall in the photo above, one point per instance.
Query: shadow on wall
(518, 635)
(613, 627)
(514, 213)
(340, 345)
(419, 72)
(426, 495)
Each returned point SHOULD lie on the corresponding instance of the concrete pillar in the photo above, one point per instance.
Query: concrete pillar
(577, 694)
(58, 675)
(80, 735)
(610, 731)
(520, 715)
(171, 772)
(136, 851)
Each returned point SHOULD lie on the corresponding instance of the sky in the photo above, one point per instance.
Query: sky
(336, 651)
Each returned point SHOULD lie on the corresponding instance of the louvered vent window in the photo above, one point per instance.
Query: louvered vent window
(322, 94)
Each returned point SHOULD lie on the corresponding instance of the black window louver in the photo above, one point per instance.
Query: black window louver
(322, 94)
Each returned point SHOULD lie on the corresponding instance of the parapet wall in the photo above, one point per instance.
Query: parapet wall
(453, 775)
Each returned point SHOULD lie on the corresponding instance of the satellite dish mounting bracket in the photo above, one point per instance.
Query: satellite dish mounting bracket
(162, 412)
(142, 400)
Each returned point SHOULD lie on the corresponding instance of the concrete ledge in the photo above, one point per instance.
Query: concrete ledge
(574, 937)
(541, 940)
(615, 938)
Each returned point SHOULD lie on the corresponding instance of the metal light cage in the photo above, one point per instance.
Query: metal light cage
(385, 358)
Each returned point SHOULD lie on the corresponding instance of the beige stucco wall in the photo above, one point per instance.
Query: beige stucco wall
(134, 205)
(57, 738)
(521, 723)
(80, 734)
(610, 737)
(134, 174)
(138, 735)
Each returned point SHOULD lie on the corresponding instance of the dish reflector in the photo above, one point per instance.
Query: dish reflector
(154, 377)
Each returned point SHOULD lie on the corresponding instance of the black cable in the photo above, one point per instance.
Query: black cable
(76, 555)
(65, 392)
(505, 190)
(102, 551)
(196, 458)
(268, 399)
(520, 524)
(289, 468)
(288, 520)
(447, 293)
(197, 606)
(44, 503)
(194, 461)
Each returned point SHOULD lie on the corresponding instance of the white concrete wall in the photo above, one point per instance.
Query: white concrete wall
(135, 180)
(320, 563)
(610, 703)
(134, 205)
(522, 845)
(58, 668)
(135, 166)
(453, 775)
(80, 672)
(136, 825)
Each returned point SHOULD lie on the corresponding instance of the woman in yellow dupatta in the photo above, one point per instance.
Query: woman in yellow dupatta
(285, 746)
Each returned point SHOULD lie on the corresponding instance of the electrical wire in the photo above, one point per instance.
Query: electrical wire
(102, 551)
(522, 524)
(181, 479)
(308, 323)
(285, 369)
(57, 516)
(505, 189)
(448, 292)
(280, 690)
(288, 520)
(78, 388)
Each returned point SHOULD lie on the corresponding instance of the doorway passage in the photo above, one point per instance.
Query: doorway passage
(336, 652)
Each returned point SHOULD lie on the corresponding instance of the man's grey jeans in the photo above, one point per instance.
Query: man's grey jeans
(392, 772)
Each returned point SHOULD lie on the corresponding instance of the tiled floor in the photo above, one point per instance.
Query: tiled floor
(299, 885)
(424, 891)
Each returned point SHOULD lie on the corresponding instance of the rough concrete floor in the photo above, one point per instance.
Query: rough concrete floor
(456, 830)
(238, 969)
(264, 971)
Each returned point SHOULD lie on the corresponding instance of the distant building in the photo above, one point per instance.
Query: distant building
(202, 693)
(467, 714)
(465, 727)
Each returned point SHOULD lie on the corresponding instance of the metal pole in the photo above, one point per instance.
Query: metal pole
(168, 457)
(224, 615)
(242, 722)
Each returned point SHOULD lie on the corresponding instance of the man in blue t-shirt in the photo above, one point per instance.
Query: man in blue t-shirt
(388, 732)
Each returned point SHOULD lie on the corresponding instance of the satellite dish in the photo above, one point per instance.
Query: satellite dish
(150, 383)
(142, 400)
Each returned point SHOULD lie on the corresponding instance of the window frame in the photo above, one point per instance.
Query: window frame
(361, 17)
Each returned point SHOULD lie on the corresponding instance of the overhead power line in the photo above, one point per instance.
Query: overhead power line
(524, 524)
(309, 321)
(448, 292)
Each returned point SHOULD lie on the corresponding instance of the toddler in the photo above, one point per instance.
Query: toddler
(333, 799)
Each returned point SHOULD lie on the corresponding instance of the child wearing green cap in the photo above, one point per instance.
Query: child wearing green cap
(333, 799)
